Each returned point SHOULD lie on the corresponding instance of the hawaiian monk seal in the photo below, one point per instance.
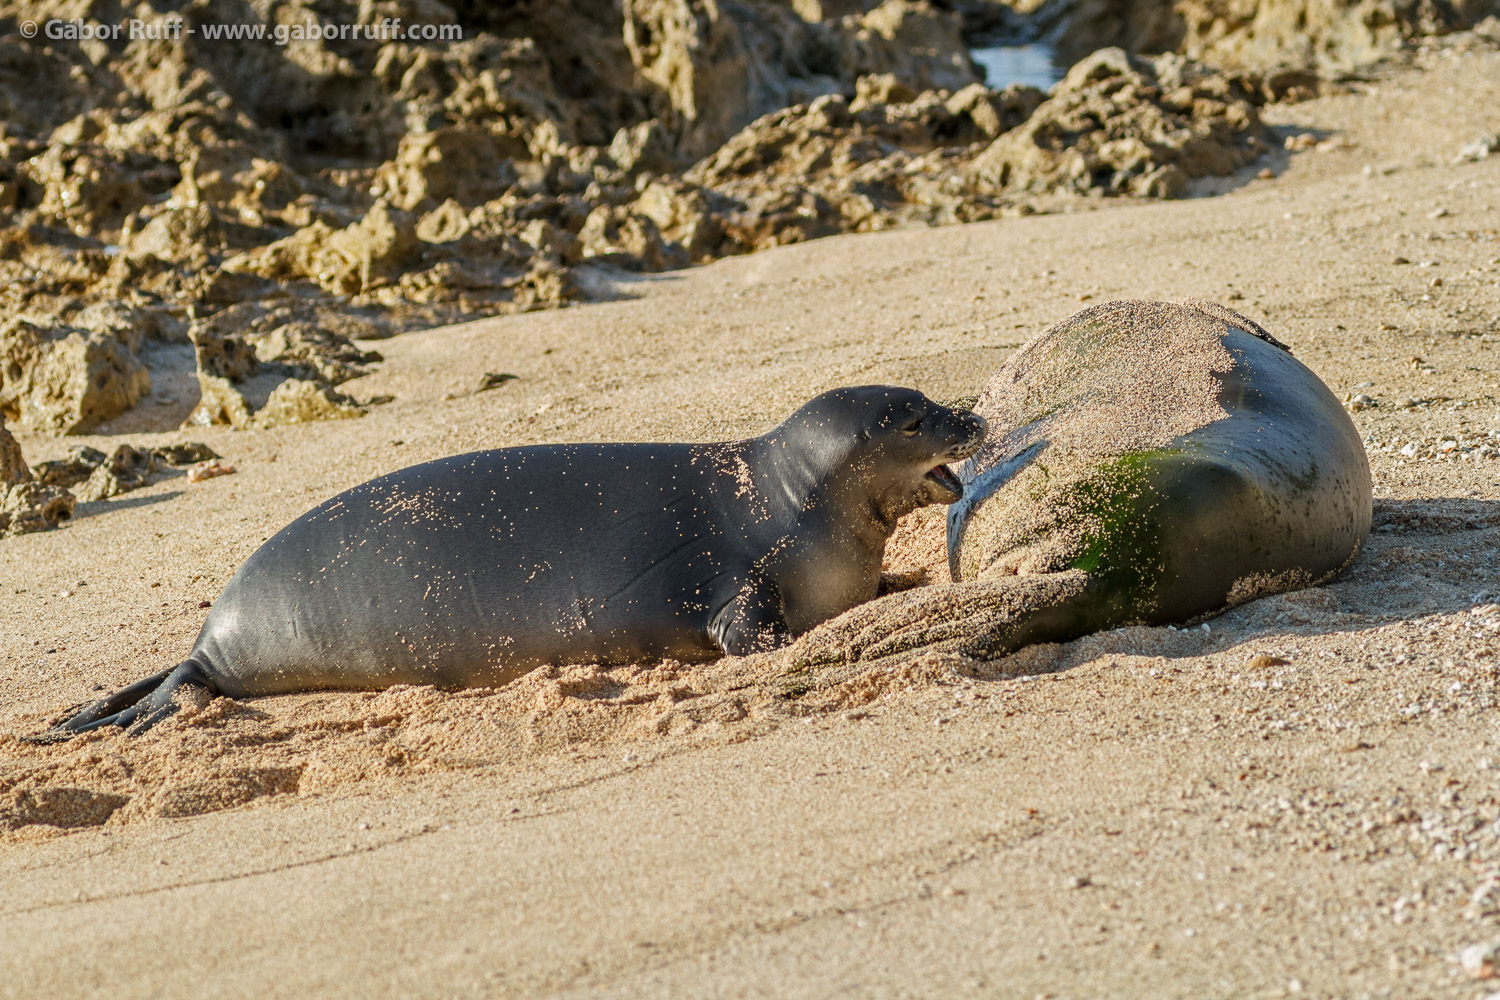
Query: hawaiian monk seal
(1147, 463)
(471, 570)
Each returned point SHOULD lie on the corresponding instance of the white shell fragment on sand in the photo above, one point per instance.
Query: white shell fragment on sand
(1479, 960)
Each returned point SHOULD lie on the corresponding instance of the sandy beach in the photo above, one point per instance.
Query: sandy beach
(1299, 798)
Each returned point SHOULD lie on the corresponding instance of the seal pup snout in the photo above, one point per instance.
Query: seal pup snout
(938, 436)
(888, 444)
(970, 429)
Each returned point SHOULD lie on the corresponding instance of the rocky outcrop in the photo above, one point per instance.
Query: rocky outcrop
(1119, 124)
(719, 66)
(270, 400)
(41, 497)
(76, 468)
(271, 203)
(353, 260)
(224, 355)
(26, 504)
(1331, 34)
(128, 468)
(13, 468)
(1234, 35)
(279, 366)
(181, 179)
(65, 378)
(834, 166)
(298, 401)
(219, 402)
(30, 506)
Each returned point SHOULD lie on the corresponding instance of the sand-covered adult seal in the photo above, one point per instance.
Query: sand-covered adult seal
(1148, 463)
(469, 571)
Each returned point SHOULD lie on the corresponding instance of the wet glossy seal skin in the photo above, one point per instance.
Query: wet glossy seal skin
(469, 571)
(1147, 463)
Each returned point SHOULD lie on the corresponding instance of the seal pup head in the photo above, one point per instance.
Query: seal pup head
(884, 443)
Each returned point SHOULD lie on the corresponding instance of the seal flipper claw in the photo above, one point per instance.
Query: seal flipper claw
(135, 708)
(751, 623)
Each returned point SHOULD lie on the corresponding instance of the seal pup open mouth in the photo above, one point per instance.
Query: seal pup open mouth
(945, 478)
(963, 432)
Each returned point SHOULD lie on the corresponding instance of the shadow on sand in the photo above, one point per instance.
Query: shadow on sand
(1424, 558)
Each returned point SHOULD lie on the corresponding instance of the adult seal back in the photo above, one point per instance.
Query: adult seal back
(1147, 463)
(471, 570)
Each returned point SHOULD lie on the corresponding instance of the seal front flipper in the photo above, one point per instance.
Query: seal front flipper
(135, 708)
(753, 622)
(983, 619)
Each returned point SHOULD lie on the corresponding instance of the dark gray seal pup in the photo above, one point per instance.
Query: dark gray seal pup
(1147, 463)
(469, 571)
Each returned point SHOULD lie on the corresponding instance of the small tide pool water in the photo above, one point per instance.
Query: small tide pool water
(1035, 64)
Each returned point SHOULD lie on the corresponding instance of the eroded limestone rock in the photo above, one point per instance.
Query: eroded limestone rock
(26, 504)
(346, 261)
(1332, 34)
(128, 468)
(223, 354)
(27, 507)
(13, 468)
(1120, 124)
(168, 183)
(219, 402)
(65, 379)
(298, 401)
(76, 468)
(613, 234)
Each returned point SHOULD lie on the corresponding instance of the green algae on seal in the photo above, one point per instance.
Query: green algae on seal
(1147, 463)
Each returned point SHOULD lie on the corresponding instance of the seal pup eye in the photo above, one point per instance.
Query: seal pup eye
(911, 427)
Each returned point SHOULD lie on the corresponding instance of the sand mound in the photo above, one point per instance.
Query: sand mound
(228, 754)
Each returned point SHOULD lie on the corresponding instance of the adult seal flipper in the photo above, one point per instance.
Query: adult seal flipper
(1147, 463)
(472, 570)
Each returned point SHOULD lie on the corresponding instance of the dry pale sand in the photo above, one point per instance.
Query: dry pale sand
(1146, 812)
